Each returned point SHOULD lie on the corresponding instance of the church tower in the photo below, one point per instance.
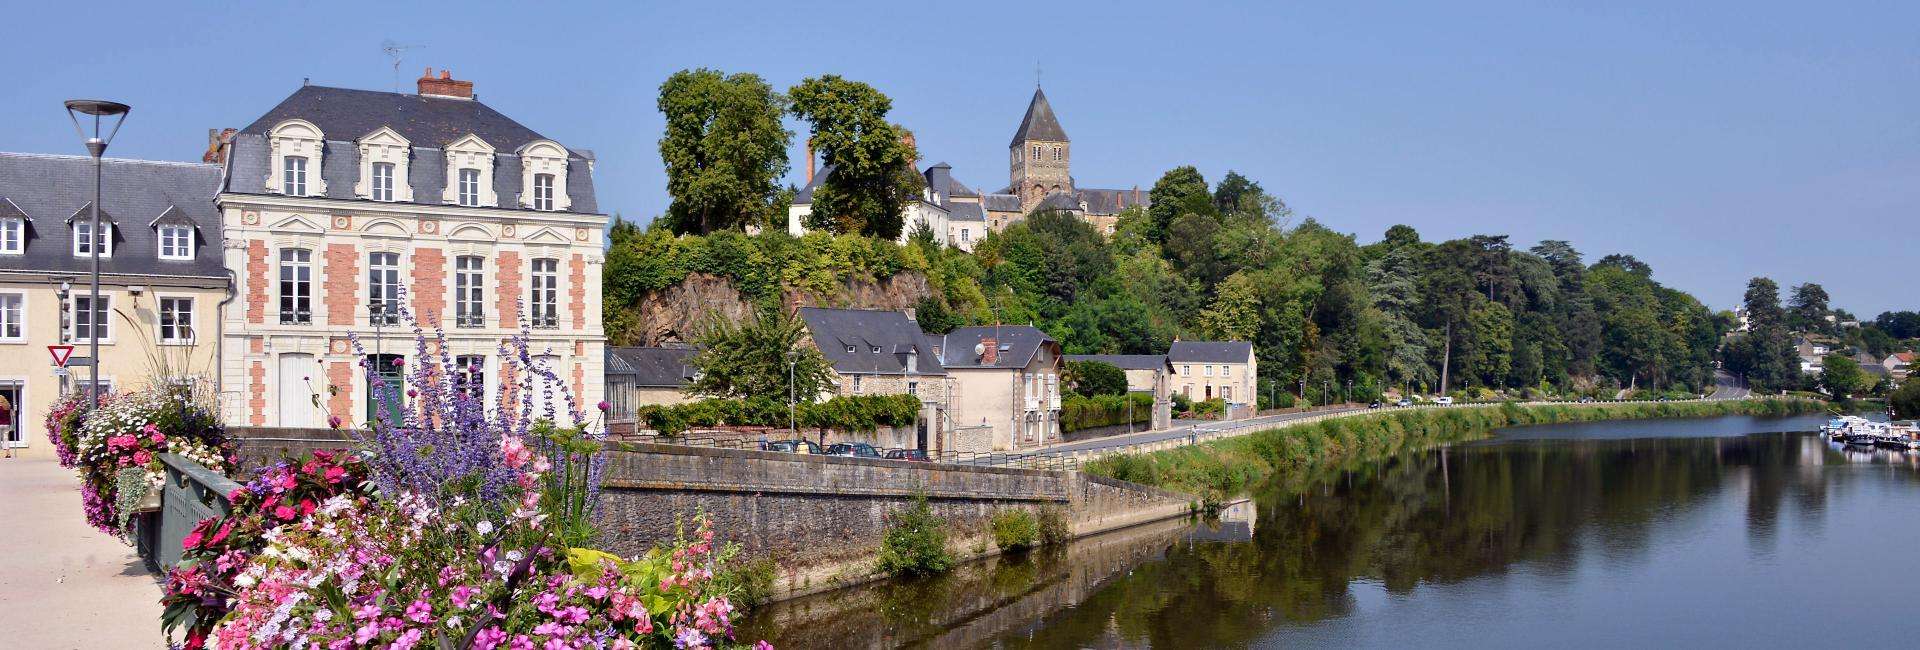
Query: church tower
(1039, 155)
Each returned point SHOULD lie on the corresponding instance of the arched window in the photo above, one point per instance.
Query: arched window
(1056, 154)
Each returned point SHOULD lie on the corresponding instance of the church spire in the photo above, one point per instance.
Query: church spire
(1039, 123)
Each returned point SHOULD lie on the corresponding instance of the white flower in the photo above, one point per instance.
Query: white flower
(515, 555)
(484, 527)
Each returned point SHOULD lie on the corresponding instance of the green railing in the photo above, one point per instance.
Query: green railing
(191, 493)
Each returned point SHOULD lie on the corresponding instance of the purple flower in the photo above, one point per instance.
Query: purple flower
(604, 405)
(333, 421)
(398, 362)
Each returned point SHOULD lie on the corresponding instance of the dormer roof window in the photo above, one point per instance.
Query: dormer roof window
(470, 173)
(384, 174)
(176, 234)
(296, 148)
(543, 176)
(85, 239)
(13, 228)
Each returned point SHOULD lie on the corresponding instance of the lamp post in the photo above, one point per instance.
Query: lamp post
(97, 147)
(792, 422)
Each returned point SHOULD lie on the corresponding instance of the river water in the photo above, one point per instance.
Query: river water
(1723, 532)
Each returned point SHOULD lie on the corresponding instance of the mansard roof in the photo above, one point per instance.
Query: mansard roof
(1039, 124)
(52, 188)
(897, 337)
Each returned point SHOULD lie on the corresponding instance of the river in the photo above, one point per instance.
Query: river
(1722, 532)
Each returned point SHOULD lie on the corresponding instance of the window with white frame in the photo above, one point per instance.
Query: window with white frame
(470, 187)
(293, 176)
(1207, 370)
(546, 292)
(382, 189)
(469, 278)
(13, 316)
(13, 236)
(296, 286)
(383, 288)
(91, 324)
(470, 375)
(176, 242)
(176, 320)
(84, 239)
(856, 384)
(964, 235)
(543, 192)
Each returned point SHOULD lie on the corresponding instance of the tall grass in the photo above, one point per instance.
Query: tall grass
(1221, 468)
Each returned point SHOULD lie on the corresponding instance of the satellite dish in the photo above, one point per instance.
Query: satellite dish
(979, 349)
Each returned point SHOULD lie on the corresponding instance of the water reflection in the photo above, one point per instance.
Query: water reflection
(1521, 541)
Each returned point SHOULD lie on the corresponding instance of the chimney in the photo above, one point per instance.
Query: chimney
(990, 351)
(218, 143)
(913, 150)
(445, 85)
(940, 180)
(809, 161)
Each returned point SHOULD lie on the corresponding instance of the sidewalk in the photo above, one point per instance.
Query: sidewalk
(62, 583)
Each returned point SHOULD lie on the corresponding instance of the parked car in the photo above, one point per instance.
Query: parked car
(858, 449)
(1404, 402)
(1588, 399)
(1443, 401)
(908, 454)
(791, 446)
(1374, 405)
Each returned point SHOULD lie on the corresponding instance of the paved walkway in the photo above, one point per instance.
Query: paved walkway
(62, 583)
(1182, 429)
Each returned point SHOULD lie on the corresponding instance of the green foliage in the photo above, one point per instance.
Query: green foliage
(724, 150)
(915, 542)
(842, 413)
(1082, 412)
(762, 357)
(1841, 376)
(1054, 527)
(870, 177)
(1090, 378)
(1014, 529)
(1905, 401)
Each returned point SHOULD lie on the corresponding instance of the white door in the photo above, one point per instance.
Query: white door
(297, 389)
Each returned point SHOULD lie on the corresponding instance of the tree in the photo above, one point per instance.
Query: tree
(1899, 324)
(751, 359)
(1807, 309)
(1090, 378)
(724, 150)
(1181, 190)
(934, 317)
(1906, 401)
(1841, 376)
(1626, 263)
(870, 176)
(1235, 314)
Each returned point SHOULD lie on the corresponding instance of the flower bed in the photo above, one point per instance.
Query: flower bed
(115, 448)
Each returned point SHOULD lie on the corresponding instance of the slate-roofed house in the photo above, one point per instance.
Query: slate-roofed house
(160, 268)
(336, 199)
(1040, 175)
(1006, 387)
(878, 352)
(645, 376)
(1227, 370)
(1146, 373)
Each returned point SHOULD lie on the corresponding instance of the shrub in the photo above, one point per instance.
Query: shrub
(1080, 412)
(1092, 378)
(915, 542)
(1015, 529)
(1054, 528)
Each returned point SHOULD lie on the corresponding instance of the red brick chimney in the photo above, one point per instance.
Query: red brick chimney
(913, 154)
(445, 85)
(218, 142)
(809, 161)
(989, 351)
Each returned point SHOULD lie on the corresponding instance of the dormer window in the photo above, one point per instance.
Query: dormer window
(849, 349)
(13, 236)
(382, 182)
(176, 242)
(293, 176)
(84, 239)
(470, 187)
(876, 349)
(543, 192)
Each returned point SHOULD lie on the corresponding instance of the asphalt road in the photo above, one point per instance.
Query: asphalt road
(1179, 431)
(1727, 386)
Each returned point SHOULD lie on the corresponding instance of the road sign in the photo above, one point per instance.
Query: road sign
(59, 371)
(79, 361)
(60, 354)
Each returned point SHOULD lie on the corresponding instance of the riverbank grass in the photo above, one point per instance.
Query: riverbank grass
(1219, 469)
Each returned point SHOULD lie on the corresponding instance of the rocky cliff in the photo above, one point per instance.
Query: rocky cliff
(676, 313)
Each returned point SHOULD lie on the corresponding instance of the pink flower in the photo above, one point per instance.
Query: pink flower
(334, 473)
(407, 640)
(284, 512)
(142, 457)
(420, 611)
(489, 638)
(333, 421)
(604, 405)
(366, 633)
(762, 645)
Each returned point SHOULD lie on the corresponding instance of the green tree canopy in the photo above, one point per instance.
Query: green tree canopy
(724, 149)
(1841, 376)
(741, 360)
(1090, 378)
(870, 176)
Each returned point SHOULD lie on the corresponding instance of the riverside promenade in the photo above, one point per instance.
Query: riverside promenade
(62, 583)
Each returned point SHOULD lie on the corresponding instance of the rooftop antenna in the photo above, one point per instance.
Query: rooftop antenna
(394, 50)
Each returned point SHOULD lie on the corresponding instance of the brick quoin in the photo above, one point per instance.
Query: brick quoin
(340, 374)
(256, 281)
(507, 294)
(577, 290)
(580, 386)
(429, 285)
(257, 383)
(342, 284)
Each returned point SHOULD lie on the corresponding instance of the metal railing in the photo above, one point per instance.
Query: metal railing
(190, 493)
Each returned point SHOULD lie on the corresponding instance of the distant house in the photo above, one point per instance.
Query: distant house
(876, 352)
(1006, 387)
(1146, 373)
(1216, 369)
(1899, 365)
(638, 377)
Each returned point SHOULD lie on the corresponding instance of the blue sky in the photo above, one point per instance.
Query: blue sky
(1715, 141)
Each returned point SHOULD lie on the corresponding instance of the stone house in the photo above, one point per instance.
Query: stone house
(337, 202)
(161, 280)
(1146, 373)
(1226, 370)
(1005, 387)
(876, 352)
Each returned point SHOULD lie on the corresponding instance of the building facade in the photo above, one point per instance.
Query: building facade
(343, 207)
(876, 352)
(160, 273)
(1040, 176)
(1006, 387)
(1226, 370)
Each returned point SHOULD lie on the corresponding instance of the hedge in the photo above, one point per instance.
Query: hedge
(1081, 412)
(843, 413)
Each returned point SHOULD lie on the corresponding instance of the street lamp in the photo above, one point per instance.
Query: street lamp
(97, 147)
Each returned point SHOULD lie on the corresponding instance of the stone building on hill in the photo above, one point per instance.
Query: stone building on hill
(1040, 175)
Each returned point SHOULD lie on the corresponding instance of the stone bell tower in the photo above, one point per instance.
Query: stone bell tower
(1039, 156)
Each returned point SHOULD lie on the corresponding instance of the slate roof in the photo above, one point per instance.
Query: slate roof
(47, 190)
(1059, 201)
(965, 211)
(657, 367)
(1101, 201)
(1001, 202)
(1039, 124)
(345, 115)
(1210, 352)
(897, 337)
(805, 195)
(1017, 343)
(1127, 361)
